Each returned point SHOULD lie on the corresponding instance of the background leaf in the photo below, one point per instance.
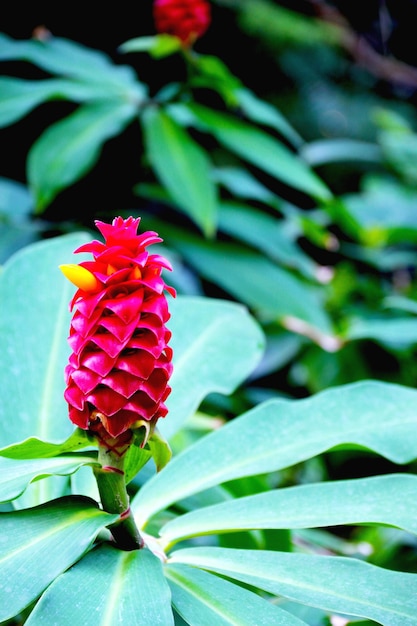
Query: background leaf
(262, 150)
(182, 167)
(69, 148)
(216, 345)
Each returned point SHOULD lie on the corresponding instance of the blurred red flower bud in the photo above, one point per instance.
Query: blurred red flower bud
(186, 19)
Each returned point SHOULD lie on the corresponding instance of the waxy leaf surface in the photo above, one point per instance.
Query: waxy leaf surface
(337, 584)
(216, 344)
(204, 599)
(111, 587)
(375, 415)
(387, 500)
(16, 475)
(36, 545)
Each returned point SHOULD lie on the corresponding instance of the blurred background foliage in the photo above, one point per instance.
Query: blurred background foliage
(277, 161)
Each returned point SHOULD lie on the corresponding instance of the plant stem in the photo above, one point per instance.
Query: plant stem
(111, 484)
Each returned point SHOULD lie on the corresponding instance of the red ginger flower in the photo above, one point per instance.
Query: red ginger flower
(118, 372)
(185, 19)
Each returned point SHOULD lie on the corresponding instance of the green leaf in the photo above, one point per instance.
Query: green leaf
(336, 584)
(203, 599)
(212, 73)
(135, 459)
(17, 229)
(69, 148)
(216, 345)
(378, 416)
(259, 283)
(385, 500)
(325, 151)
(34, 448)
(108, 587)
(158, 46)
(370, 219)
(264, 113)
(262, 150)
(273, 236)
(70, 59)
(393, 332)
(182, 167)
(39, 544)
(400, 302)
(34, 324)
(19, 97)
(160, 449)
(16, 475)
(243, 185)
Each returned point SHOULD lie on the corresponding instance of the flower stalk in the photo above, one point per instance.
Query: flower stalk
(111, 482)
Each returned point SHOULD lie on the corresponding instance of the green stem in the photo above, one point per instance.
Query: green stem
(111, 484)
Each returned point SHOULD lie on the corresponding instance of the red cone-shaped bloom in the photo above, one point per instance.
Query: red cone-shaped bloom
(120, 364)
(185, 19)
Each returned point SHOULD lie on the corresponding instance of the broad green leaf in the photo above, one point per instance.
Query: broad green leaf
(325, 151)
(216, 345)
(108, 587)
(17, 229)
(337, 584)
(260, 284)
(69, 148)
(375, 415)
(19, 97)
(387, 500)
(34, 325)
(400, 150)
(262, 150)
(182, 167)
(15, 201)
(401, 302)
(204, 600)
(70, 59)
(34, 448)
(371, 211)
(16, 475)
(266, 114)
(276, 237)
(36, 545)
(243, 185)
(395, 332)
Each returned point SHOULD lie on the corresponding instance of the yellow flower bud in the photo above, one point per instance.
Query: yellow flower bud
(80, 276)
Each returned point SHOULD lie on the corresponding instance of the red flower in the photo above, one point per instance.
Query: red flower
(185, 19)
(118, 372)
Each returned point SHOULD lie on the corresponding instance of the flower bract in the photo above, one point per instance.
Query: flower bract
(117, 375)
